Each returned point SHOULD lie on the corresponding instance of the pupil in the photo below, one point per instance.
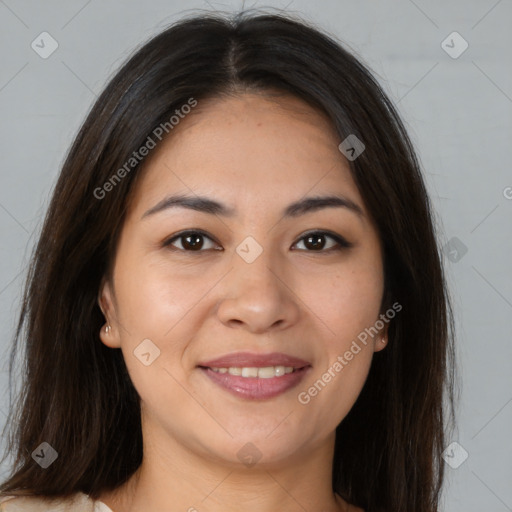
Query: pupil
(196, 241)
(316, 241)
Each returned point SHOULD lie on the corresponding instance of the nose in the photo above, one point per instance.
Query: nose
(258, 296)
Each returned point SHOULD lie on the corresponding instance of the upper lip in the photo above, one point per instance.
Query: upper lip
(248, 360)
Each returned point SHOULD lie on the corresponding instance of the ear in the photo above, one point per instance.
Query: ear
(108, 336)
(381, 340)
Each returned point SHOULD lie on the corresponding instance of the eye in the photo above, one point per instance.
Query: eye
(315, 240)
(190, 241)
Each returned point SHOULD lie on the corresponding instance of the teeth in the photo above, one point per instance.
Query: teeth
(269, 372)
(263, 373)
(249, 372)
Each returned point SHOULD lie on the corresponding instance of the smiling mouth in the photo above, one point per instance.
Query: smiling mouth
(256, 383)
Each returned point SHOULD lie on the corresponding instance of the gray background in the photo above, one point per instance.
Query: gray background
(459, 114)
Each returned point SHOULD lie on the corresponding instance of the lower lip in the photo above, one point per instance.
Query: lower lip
(255, 388)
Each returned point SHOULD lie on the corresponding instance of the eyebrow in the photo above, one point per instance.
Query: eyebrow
(207, 205)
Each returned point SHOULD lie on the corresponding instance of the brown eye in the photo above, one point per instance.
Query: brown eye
(315, 242)
(190, 241)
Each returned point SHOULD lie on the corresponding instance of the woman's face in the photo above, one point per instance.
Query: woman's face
(250, 287)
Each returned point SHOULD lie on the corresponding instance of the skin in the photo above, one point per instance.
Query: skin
(256, 154)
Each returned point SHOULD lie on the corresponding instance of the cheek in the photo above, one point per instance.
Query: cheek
(151, 309)
(345, 301)
(149, 306)
(152, 299)
(163, 305)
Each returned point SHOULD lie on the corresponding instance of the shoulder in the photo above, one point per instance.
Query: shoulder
(78, 502)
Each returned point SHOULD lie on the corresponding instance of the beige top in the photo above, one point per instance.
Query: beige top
(79, 502)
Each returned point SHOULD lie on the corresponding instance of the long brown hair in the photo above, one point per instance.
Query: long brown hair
(76, 393)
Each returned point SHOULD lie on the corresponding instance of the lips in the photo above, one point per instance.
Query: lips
(248, 360)
(291, 372)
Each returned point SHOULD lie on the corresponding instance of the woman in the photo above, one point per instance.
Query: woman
(237, 295)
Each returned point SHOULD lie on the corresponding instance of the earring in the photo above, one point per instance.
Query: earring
(108, 329)
(383, 340)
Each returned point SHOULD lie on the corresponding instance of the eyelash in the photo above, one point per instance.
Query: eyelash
(342, 243)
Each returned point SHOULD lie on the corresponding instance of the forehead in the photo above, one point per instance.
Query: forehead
(248, 149)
